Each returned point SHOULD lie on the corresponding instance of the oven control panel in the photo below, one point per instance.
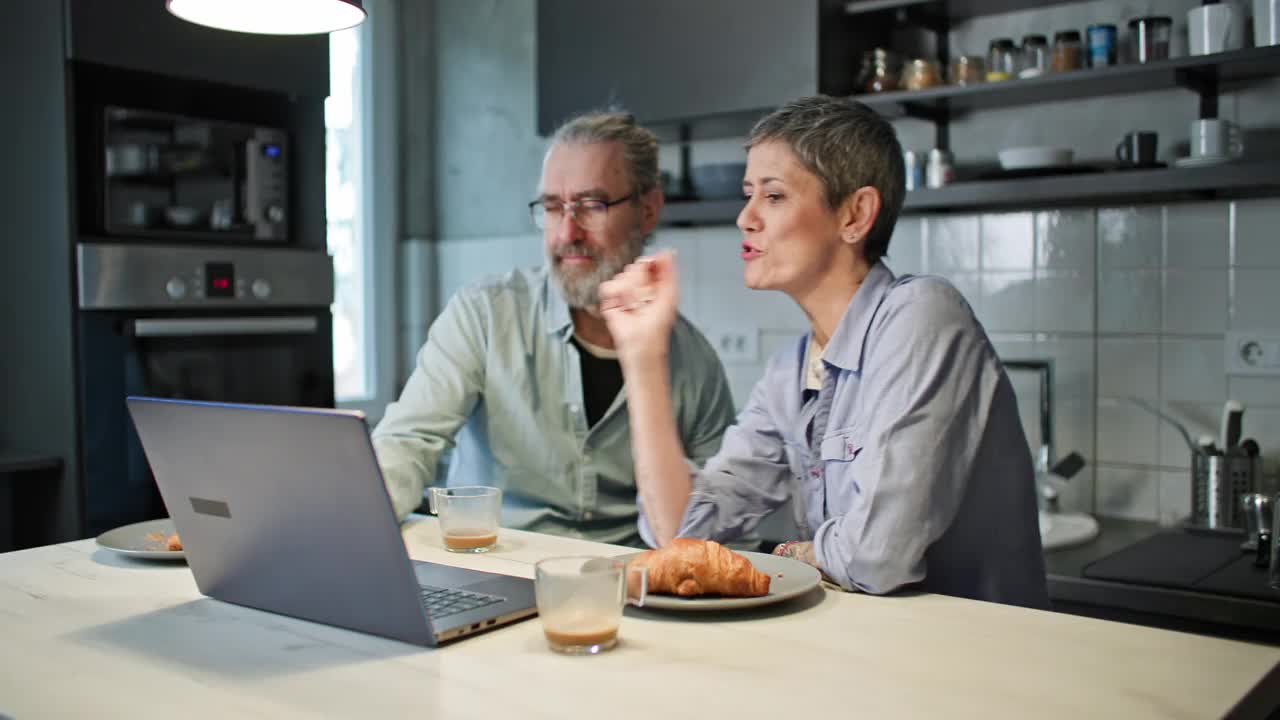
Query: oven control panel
(130, 276)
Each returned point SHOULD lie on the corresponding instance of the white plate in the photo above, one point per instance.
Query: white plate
(1038, 156)
(132, 540)
(788, 579)
(1202, 161)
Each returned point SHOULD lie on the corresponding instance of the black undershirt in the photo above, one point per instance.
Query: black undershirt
(601, 381)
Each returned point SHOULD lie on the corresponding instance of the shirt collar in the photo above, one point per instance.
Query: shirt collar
(559, 319)
(844, 349)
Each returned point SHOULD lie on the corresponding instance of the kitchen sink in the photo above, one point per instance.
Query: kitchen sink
(1060, 530)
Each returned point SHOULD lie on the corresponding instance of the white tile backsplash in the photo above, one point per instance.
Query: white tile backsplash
(1008, 301)
(1263, 425)
(906, 247)
(1127, 492)
(1195, 301)
(1197, 419)
(1131, 237)
(1256, 303)
(1129, 367)
(1073, 429)
(465, 261)
(1196, 235)
(1008, 241)
(1064, 301)
(1129, 301)
(1256, 232)
(1065, 241)
(1126, 433)
(686, 242)
(951, 244)
(1192, 370)
(1260, 391)
(722, 299)
(1073, 365)
(1175, 497)
(969, 284)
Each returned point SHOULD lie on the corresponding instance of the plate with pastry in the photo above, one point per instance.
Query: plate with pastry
(694, 574)
(148, 540)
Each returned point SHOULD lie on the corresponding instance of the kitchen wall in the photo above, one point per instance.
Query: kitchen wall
(1127, 301)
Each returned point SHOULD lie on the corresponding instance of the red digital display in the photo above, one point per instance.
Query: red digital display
(220, 279)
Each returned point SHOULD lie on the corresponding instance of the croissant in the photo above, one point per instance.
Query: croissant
(689, 567)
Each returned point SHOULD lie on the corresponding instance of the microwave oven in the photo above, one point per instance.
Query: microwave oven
(181, 178)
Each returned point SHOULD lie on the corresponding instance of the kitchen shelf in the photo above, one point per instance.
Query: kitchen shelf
(1196, 72)
(954, 10)
(1231, 179)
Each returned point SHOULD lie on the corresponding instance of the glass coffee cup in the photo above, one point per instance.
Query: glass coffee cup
(580, 600)
(469, 516)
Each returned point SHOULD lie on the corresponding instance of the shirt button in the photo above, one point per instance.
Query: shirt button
(586, 515)
(573, 407)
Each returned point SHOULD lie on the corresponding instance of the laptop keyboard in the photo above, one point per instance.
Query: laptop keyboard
(447, 601)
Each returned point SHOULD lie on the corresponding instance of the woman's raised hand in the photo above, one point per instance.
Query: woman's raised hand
(639, 306)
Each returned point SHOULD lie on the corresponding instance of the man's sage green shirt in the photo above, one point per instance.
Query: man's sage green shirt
(499, 375)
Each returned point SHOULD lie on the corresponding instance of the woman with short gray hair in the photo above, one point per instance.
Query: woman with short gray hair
(891, 424)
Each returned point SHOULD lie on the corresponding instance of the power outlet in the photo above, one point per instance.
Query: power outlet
(1253, 353)
(737, 345)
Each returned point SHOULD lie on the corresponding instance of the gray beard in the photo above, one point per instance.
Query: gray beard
(582, 290)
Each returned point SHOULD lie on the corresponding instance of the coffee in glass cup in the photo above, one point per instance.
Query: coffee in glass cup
(580, 600)
(469, 516)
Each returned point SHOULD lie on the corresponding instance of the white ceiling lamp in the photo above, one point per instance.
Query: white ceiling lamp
(271, 17)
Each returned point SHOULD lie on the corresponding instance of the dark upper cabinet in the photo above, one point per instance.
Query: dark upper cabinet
(673, 60)
(142, 35)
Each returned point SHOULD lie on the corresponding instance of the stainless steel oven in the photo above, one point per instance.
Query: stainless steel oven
(221, 323)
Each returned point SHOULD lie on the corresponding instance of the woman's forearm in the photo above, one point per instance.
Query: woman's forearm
(662, 474)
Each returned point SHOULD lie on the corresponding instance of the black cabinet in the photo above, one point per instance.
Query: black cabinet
(143, 35)
(678, 61)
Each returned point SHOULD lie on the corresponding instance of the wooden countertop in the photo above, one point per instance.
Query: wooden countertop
(89, 633)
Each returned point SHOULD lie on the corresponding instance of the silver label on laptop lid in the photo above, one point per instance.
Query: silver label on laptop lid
(216, 508)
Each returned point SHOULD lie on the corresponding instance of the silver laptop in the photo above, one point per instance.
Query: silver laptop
(284, 509)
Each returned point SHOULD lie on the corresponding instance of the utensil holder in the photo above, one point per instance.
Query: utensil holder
(1217, 484)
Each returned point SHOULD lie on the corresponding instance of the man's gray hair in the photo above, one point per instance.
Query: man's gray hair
(639, 145)
(848, 146)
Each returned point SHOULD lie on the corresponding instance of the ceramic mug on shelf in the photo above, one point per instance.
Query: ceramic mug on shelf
(1216, 138)
(1137, 149)
(1266, 22)
(1215, 28)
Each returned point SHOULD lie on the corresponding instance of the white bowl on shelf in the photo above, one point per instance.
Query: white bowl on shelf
(1021, 158)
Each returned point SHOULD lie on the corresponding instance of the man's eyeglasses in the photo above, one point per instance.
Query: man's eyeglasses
(590, 213)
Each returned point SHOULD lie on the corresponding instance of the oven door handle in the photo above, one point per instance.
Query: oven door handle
(201, 327)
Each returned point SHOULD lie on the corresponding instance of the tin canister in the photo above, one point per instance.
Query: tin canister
(913, 164)
(1102, 45)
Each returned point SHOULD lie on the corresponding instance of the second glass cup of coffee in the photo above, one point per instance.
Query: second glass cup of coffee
(469, 516)
(580, 600)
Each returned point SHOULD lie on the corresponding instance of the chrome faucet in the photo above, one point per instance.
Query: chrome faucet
(1044, 458)
(1046, 462)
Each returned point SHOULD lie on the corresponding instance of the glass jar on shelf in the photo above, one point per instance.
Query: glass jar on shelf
(968, 70)
(880, 71)
(1002, 60)
(921, 73)
(940, 170)
(1068, 52)
(1034, 56)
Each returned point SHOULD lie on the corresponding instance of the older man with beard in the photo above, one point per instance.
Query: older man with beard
(521, 372)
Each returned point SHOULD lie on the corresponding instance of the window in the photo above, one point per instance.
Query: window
(361, 204)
